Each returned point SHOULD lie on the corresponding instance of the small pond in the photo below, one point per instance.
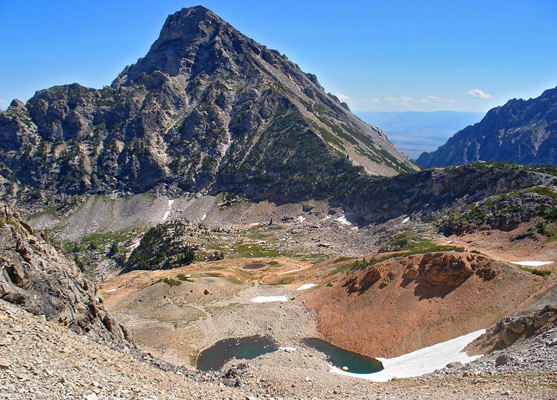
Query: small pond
(345, 360)
(224, 350)
(254, 266)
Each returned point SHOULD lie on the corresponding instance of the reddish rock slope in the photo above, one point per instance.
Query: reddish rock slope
(406, 303)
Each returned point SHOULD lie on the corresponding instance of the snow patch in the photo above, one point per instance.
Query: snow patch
(347, 219)
(307, 286)
(532, 263)
(110, 290)
(343, 220)
(203, 217)
(423, 361)
(255, 223)
(268, 299)
(301, 219)
(167, 213)
(292, 271)
(288, 349)
(405, 220)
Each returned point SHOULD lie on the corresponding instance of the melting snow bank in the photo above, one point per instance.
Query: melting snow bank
(307, 286)
(532, 263)
(423, 361)
(268, 299)
(292, 271)
(167, 213)
(343, 220)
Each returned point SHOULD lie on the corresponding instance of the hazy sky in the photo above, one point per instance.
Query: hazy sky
(376, 55)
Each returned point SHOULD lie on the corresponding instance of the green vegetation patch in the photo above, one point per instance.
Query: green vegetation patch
(488, 165)
(549, 230)
(409, 244)
(169, 281)
(184, 278)
(539, 272)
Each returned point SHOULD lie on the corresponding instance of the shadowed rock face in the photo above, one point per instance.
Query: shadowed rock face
(521, 131)
(35, 276)
(207, 109)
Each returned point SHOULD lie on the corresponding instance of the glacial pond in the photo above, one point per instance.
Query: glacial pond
(214, 357)
(254, 266)
(345, 360)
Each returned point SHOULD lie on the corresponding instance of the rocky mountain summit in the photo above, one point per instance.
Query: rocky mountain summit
(207, 109)
(38, 278)
(521, 131)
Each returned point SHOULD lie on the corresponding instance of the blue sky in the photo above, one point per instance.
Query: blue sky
(376, 55)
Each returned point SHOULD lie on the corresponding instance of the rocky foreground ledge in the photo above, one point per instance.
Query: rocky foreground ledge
(40, 279)
(42, 360)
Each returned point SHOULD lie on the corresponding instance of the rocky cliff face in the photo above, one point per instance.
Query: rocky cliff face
(207, 109)
(521, 131)
(36, 277)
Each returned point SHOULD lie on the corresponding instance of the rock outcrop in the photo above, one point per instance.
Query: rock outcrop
(504, 212)
(38, 278)
(450, 270)
(423, 193)
(510, 330)
(207, 109)
(521, 131)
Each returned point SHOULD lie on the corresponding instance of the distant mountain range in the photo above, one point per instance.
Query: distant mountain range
(521, 131)
(415, 132)
(206, 110)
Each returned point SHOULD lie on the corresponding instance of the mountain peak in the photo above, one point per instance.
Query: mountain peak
(189, 22)
(207, 109)
(191, 36)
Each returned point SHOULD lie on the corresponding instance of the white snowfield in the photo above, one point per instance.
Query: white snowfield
(343, 220)
(167, 213)
(268, 299)
(532, 263)
(421, 361)
(292, 271)
(307, 286)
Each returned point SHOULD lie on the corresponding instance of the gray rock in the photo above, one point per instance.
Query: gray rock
(17, 103)
(35, 276)
(501, 360)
